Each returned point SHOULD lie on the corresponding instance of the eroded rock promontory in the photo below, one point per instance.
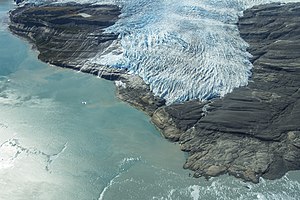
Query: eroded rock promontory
(252, 132)
(68, 35)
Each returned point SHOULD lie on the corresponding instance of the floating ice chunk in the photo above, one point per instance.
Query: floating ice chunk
(260, 196)
(195, 192)
(8, 154)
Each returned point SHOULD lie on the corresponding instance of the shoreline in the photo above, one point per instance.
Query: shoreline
(217, 134)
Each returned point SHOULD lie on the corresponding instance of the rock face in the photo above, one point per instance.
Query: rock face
(68, 35)
(134, 91)
(254, 131)
(18, 1)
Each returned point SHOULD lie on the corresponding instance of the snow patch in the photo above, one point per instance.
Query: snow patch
(84, 15)
(120, 84)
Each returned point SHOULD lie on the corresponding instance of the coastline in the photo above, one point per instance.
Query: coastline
(136, 92)
(217, 140)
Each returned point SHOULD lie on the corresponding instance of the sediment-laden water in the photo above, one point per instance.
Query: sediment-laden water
(64, 135)
(184, 50)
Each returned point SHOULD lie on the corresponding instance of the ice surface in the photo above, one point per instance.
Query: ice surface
(86, 154)
(183, 49)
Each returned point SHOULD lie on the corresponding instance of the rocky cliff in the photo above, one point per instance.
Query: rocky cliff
(254, 131)
(67, 35)
(250, 133)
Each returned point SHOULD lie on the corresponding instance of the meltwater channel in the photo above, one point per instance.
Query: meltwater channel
(64, 135)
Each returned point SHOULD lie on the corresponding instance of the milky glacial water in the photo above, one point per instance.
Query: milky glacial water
(64, 135)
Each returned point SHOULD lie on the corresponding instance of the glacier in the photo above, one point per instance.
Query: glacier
(184, 50)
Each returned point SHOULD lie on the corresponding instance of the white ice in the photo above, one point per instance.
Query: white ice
(183, 49)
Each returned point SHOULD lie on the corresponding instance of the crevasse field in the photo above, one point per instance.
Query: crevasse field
(189, 49)
(53, 145)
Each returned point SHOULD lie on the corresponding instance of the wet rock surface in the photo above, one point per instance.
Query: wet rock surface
(254, 131)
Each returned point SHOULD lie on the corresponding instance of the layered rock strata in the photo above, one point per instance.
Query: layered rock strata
(68, 35)
(252, 132)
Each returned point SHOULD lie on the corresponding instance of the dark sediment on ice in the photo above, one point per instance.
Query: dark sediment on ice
(252, 132)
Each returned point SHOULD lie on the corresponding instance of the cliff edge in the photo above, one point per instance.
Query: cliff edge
(250, 133)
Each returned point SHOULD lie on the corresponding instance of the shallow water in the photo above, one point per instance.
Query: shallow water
(64, 135)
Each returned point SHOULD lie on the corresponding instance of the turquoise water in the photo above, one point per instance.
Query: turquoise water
(64, 135)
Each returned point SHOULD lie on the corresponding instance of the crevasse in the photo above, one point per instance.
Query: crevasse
(189, 49)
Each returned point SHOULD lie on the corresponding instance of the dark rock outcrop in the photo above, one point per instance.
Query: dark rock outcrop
(18, 1)
(254, 131)
(67, 35)
(134, 91)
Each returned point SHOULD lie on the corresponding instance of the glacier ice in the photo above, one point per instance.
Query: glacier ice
(189, 49)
